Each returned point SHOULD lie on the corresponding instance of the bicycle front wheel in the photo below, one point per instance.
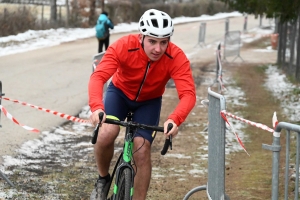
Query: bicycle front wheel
(125, 185)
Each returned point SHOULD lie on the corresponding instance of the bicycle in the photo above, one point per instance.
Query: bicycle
(123, 171)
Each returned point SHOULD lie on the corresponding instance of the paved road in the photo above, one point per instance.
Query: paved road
(56, 78)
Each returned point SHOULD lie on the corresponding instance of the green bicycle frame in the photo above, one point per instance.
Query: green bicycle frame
(125, 162)
(127, 154)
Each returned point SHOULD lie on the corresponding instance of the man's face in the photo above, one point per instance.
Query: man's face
(154, 47)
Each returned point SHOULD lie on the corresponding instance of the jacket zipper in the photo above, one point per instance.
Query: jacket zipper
(142, 83)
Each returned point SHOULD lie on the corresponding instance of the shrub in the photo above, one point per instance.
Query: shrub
(17, 21)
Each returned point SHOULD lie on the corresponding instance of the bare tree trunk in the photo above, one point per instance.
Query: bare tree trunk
(292, 32)
(102, 5)
(53, 17)
(279, 48)
(68, 13)
(42, 16)
(92, 20)
(284, 40)
(297, 75)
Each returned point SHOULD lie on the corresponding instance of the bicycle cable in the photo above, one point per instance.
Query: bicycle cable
(133, 161)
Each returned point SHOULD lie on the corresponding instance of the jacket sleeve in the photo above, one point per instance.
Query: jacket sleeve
(104, 71)
(110, 24)
(181, 73)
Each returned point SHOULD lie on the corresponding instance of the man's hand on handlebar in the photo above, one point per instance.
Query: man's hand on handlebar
(173, 131)
(94, 118)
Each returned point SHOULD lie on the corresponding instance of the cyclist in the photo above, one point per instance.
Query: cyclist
(141, 65)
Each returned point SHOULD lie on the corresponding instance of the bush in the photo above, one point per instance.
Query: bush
(18, 21)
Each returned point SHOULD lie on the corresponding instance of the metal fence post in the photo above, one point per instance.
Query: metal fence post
(201, 37)
(260, 20)
(245, 22)
(276, 148)
(217, 61)
(226, 25)
(216, 147)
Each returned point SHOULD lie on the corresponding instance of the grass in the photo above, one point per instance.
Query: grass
(253, 173)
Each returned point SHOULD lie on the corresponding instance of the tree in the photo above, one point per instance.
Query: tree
(92, 15)
(102, 5)
(53, 16)
(285, 10)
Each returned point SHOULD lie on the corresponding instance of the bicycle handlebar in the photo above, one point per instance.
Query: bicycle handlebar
(168, 141)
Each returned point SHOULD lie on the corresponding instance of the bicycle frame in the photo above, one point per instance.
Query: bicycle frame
(125, 158)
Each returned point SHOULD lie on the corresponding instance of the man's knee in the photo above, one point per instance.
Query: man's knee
(142, 149)
(107, 134)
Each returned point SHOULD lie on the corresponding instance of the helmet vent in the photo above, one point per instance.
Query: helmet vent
(165, 23)
(154, 35)
(154, 22)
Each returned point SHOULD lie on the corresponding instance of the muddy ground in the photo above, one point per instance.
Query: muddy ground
(65, 169)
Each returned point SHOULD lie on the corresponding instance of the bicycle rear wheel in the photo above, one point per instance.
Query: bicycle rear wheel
(125, 190)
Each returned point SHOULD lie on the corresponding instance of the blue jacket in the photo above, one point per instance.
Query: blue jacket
(109, 24)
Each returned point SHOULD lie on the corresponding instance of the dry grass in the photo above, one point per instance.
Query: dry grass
(250, 177)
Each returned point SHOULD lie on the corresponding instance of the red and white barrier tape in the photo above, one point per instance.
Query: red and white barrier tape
(258, 125)
(223, 114)
(62, 115)
(221, 83)
(9, 116)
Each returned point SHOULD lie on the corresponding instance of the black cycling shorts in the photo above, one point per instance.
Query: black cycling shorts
(117, 105)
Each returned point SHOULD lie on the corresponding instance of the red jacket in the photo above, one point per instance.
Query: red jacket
(141, 79)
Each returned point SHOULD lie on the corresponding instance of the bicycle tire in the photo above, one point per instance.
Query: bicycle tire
(124, 185)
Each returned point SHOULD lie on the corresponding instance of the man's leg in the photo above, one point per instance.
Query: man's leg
(104, 147)
(142, 158)
(103, 151)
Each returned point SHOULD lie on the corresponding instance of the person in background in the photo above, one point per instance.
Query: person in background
(140, 66)
(102, 31)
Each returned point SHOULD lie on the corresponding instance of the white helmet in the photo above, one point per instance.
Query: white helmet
(156, 23)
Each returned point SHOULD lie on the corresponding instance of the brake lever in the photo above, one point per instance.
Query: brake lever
(96, 130)
(170, 126)
(168, 141)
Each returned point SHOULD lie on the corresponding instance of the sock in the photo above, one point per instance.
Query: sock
(107, 177)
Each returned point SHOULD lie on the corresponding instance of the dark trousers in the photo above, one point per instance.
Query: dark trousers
(104, 42)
